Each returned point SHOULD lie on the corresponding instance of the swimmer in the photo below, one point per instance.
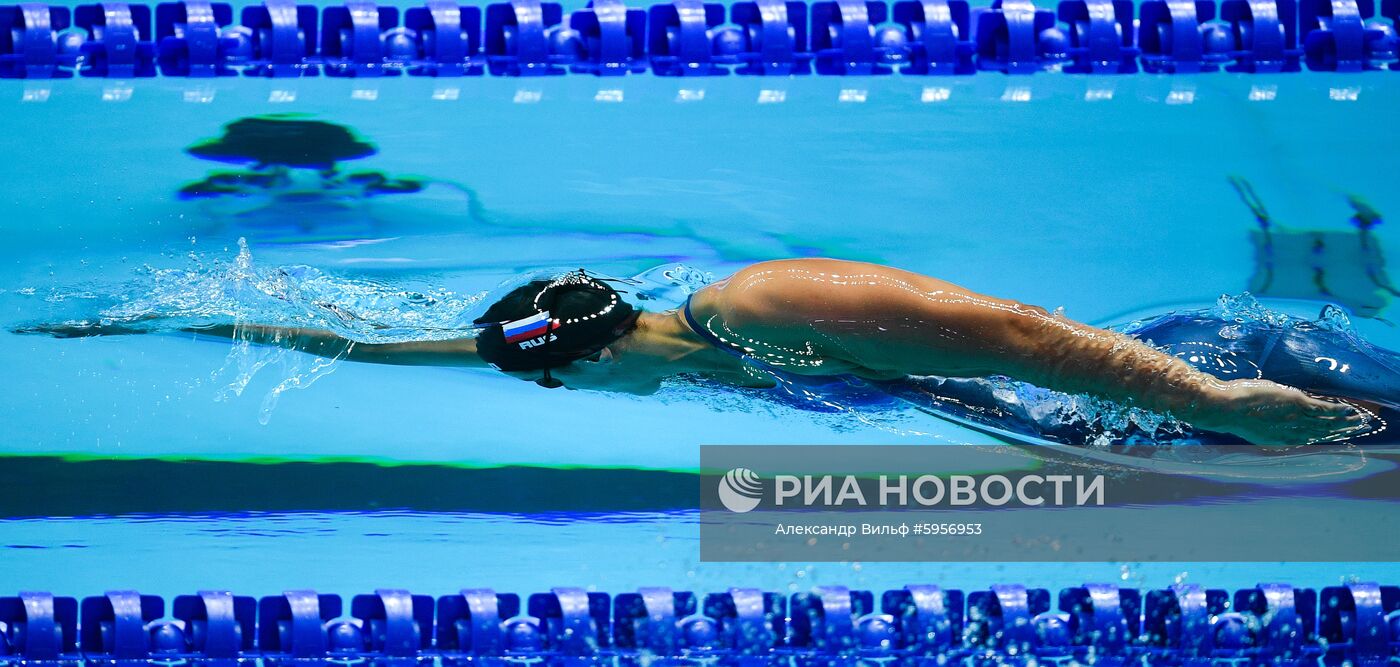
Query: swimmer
(822, 317)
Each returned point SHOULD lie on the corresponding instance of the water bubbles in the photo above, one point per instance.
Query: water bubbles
(668, 285)
(300, 375)
(1334, 318)
(1246, 310)
(1131, 574)
(210, 292)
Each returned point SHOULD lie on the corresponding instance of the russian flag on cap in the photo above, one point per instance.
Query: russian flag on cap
(525, 329)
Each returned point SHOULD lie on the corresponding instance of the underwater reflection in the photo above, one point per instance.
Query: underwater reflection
(285, 141)
(287, 179)
(1331, 266)
(293, 186)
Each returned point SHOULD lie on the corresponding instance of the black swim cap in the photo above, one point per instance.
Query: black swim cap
(552, 323)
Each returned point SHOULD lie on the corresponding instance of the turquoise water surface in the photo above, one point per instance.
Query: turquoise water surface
(1108, 197)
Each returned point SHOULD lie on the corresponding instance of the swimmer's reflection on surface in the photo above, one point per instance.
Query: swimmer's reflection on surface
(273, 147)
(824, 318)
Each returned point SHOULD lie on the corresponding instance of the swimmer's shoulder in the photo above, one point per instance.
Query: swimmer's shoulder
(777, 298)
(755, 296)
(788, 290)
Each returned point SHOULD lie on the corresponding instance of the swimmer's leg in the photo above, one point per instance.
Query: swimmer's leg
(1313, 356)
(1334, 363)
(1299, 354)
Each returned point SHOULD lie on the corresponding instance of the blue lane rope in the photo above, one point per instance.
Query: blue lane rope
(280, 38)
(1185, 625)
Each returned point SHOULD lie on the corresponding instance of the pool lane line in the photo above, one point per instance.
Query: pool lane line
(49, 486)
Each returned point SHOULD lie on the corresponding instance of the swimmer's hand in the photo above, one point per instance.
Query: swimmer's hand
(81, 329)
(1273, 415)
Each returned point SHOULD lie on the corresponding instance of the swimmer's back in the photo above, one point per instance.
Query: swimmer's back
(829, 317)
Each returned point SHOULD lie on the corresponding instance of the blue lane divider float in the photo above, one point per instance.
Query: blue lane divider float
(446, 39)
(1355, 626)
(572, 622)
(35, 42)
(752, 623)
(217, 626)
(1265, 35)
(1007, 620)
(1103, 622)
(775, 37)
(613, 38)
(1283, 620)
(39, 627)
(527, 38)
(847, 38)
(1101, 36)
(118, 40)
(1343, 36)
(1016, 37)
(938, 35)
(1187, 625)
(1182, 37)
(281, 38)
(929, 620)
(360, 38)
(190, 39)
(687, 38)
(298, 625)
(474, 623)
(658, 621)
(126, 626)
(1390, 9)
(1179, 625)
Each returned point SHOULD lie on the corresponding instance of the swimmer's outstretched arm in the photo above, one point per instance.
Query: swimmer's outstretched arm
(891, 322)
(455, 352)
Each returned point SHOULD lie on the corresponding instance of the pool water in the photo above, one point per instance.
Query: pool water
(264, 554)
(1108, 197)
